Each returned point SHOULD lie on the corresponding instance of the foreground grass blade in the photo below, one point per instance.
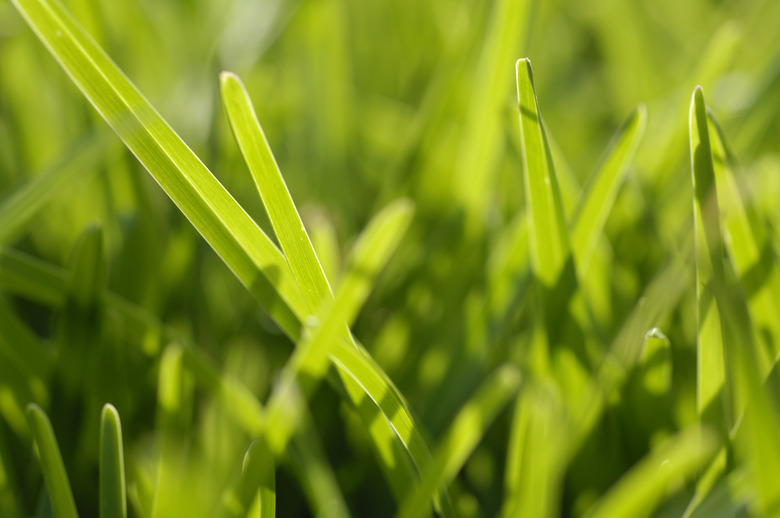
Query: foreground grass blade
(54, 474)
(546, 224)
(712, 401)
(276, 198)
(600, 194)
(113, 495)
(463, 436)
(214, 213)
(641, 489)
(310, 359)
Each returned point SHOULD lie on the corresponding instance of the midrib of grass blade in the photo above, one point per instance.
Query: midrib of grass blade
(54, 474)
(549, 241)
(276, 197)
(209, 207)
(113, 495)
(464, 434)
(749, 249)
(596, 203)
(642, 488)
(712, 397)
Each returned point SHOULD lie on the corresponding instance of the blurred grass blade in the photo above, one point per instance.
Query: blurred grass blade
(29, 277)
(113, 496)
(751, 253)
(549, 240)
(480, 143)
(712, 396)
(596, 203)
(209, 207)
(641, 489)
(464, 434)
(19, 207)
(276, 198)
(538, 445)
(309, 362)
(54, 474)
(257, 480)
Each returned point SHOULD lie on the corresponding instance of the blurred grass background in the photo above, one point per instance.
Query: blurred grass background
(364, 102)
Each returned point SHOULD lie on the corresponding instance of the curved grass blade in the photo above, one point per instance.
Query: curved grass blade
(463, 436)
(596, 203)
(548, 234)
(113, 495)
(640, 490)
(257, 480)
(54, 474)
(229, 230)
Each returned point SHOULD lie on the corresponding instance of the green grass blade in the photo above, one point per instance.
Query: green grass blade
(257, 480)
(748, 247)
(481, 140)
(603, 187)
(642, 488)
(209, 207)
(20, 206)
(310, 359)
(113, 495)
(548, 234)
(537, 448)
(276, 198)
(712, 401)
(463, 436)
(29, 277)
(54, 474)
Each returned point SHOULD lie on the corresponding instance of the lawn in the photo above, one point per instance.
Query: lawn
(389, 259)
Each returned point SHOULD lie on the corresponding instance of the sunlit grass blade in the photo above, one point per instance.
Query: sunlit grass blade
(54, 474)
(538, 446)
(214, 213)
(727, 499)
(548, 234)
(113, 495)
(309, 362)
(462, 437)
(596, 202)
(276, 198)
(712, 396)
(642, 488)
(257, 480)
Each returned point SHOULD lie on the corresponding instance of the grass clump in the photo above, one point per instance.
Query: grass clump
(505, 336)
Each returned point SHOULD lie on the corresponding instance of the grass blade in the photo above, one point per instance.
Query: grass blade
(310, 359)
(463, 436)
(641, 489)
(596, 203)
(549, 241)
(54, 474)
(113, 495)
(276, 198)
(713, 407)
(257, 480)
(209, 207)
